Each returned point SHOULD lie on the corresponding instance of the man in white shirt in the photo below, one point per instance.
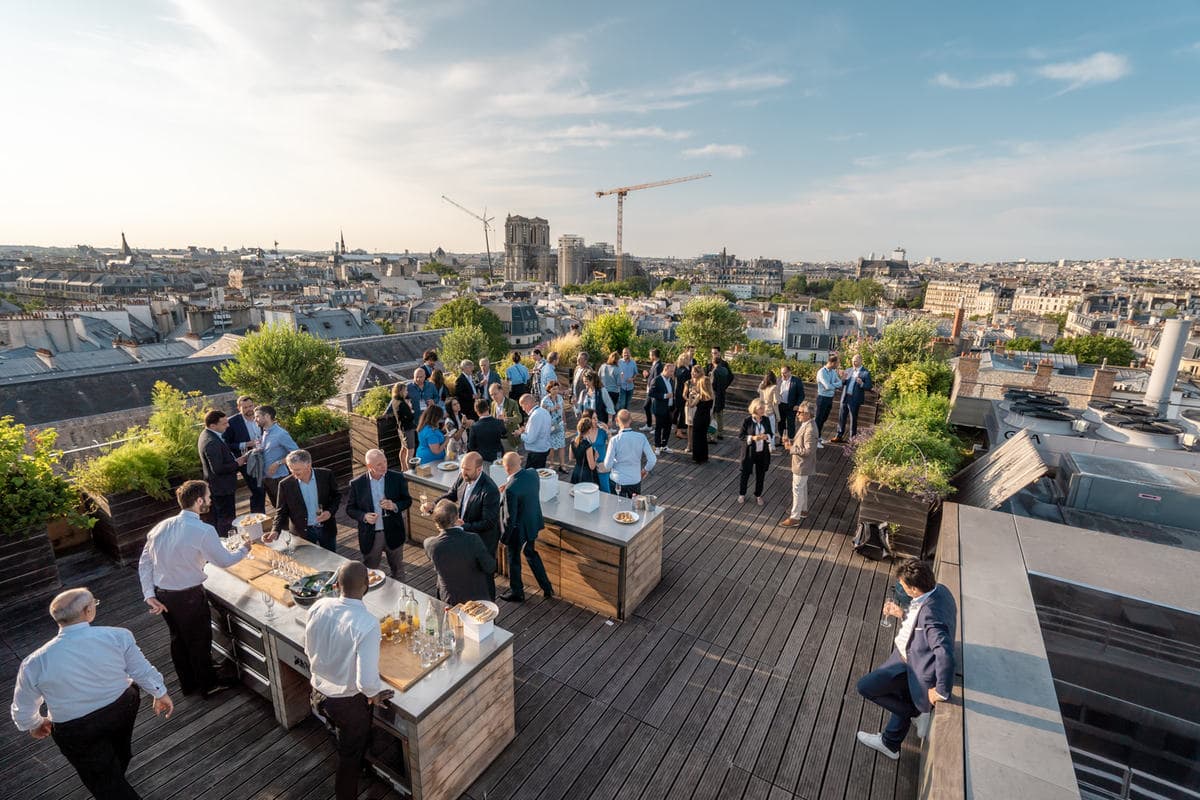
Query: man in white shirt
(88, 678)
(341, 642)
(624, 456)
(171, 571)
(535, 434)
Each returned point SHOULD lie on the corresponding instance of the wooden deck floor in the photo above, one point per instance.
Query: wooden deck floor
(735, 679)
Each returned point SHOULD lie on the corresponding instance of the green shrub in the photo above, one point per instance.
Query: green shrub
(312, 421)
(374, 402)
(567, 346)
(905, 455)
(607, 333)
(148, 457)
(34, 492)
(919, 378)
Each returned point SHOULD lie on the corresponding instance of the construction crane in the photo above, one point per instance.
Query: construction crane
(620, 192)
(487, 226)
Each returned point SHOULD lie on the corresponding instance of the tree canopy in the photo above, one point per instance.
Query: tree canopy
(1024, 344)
(285, 368)
(608, 332)
(850, 292)
(467, 311)
(1096, 348)
(711, 322)
(634, 286)
(464, 342)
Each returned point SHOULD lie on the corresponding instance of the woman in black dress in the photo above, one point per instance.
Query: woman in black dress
(698, 430)
(756, 436)
(584, 452)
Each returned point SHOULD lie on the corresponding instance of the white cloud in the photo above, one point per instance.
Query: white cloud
(732, 151)
(1096, 68)
(700, 83)
(930, 155)
(989, 81)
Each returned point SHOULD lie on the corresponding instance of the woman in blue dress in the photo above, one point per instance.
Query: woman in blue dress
(553, 403)
(600, 445)
(431, 442)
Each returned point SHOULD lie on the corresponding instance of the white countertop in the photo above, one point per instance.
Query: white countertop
(561, 510)
(288, 624)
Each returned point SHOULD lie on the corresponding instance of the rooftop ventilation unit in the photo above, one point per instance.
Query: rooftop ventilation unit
(1097, 409)
(1038, 412)
(1130, 490)
(1140, 431)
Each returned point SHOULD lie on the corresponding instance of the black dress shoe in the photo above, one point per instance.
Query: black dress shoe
(213, 691)
(512, 597)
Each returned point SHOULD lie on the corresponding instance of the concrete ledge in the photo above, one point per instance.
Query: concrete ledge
(1001, 735)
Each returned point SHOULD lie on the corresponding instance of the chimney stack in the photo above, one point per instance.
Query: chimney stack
(956, 329)
(1045, 369)
(1171, 343)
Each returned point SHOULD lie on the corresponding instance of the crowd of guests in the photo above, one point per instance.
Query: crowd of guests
(89, 678)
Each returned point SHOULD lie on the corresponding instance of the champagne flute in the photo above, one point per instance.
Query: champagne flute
(269, 602)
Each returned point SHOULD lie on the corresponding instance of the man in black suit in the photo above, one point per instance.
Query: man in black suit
(486, 437)
(521, 531)
(661, 392)
(791, 395)
(307, 503)
(651, 375)
(243, 435)
(464, 388)
(463, 564)
(478, 500)
(683, 374)
(377, 502)
(220, 469)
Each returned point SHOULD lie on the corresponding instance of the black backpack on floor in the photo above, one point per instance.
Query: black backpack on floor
(873, 540)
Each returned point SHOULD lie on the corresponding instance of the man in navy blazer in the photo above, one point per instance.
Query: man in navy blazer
(919, 674)
(661, 392)
(378, 499)
(525, 521)
(244, 434)
(480, 514)
(791, 395)
(856, 384)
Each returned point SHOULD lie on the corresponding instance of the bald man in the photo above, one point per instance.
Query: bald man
(476, 497)
(520, 532)
(378, 499)
(88, 678)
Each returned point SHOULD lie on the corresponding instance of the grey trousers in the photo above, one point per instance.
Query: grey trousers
(395, 556)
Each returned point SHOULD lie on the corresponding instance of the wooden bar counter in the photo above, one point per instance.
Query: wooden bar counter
(592, 560)
(432, 740)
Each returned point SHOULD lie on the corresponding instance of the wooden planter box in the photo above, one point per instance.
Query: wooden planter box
(370, 433)
(916, 519)
(332, 451)
(27, 565)
(123, 520)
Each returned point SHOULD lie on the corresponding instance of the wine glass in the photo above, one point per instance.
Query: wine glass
(424, 498)
(269, 602)
(289, 544)
(886, 622)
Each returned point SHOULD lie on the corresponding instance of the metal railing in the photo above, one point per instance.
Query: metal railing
(1105, 779)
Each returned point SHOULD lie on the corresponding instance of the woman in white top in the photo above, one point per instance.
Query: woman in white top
(756, 435)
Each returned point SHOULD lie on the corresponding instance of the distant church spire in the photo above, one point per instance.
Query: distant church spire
(125, 251)
(343, 235)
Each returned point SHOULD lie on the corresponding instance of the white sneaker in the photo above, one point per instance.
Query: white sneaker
(922, 724)
(658, 451)
(646, 429)
(875, 742)
(820, 444)
(664, 449)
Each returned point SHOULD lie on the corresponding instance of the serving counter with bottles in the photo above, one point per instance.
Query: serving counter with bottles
(592, 560)
(433, 739)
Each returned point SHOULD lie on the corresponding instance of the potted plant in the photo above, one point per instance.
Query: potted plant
(34, 493)
(902, 470)
(131, 487)
(325, 434)
(371, 428)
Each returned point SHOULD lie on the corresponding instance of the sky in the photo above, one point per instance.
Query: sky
(970, 131)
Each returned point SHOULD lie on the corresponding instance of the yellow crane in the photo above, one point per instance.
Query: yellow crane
(621, 191)
(487, 226)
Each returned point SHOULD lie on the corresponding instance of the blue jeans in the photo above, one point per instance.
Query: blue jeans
(318, 535)
(887, 686)
(625, 396)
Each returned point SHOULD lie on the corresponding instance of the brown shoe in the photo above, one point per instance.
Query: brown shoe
(788, 522)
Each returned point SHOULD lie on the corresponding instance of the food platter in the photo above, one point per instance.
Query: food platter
(448, 466)
(375, 578)
(626, 517)
(547, 473)
(478, 611)
(253, 519)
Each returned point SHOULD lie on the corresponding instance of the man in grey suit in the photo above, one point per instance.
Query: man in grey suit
(460, 559)
(521, 531)
(919, 674)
